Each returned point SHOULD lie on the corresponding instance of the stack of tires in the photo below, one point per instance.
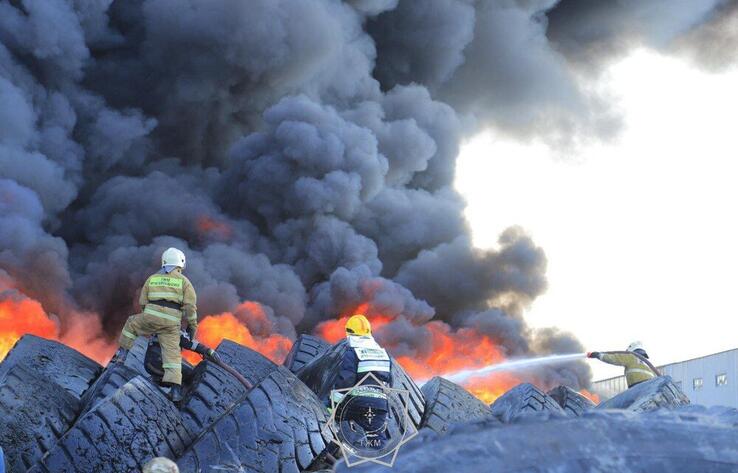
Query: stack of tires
(61, 412)
(648, 428)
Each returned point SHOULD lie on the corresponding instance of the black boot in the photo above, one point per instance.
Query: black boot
(175, 393)
(120, 356)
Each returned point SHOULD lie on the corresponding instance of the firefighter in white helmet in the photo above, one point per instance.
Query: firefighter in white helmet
(636, 369)
(166, 297)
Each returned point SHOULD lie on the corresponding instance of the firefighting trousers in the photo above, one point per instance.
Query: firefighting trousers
(144, 325)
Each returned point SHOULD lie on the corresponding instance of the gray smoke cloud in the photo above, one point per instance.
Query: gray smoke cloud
(527, 67)
(301, 152)
(712, 44)
(595, 31)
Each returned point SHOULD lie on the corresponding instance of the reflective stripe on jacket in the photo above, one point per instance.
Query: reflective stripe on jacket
(362, 391)
(636, 370)
(172, 287)
(372, 357)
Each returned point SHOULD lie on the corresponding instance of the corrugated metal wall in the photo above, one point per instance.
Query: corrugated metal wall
(710, 380)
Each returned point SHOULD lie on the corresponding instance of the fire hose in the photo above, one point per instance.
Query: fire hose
(228, 369)
(211, 355)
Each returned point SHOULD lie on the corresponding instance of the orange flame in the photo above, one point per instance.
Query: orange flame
(215, 328)
(208, 226)
(449, 351)
(333, 331)
(590, 395)
(19, 316)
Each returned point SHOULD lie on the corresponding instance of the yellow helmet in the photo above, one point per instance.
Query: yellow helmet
(358, 325)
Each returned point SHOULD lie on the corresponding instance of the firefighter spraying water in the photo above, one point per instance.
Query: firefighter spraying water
(634, 359)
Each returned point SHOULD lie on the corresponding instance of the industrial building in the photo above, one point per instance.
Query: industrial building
(710, 380)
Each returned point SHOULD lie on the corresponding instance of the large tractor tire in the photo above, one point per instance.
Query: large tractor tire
(571, 401)
(305, 349)
(115, 376)
(277, 427)
(120, 434)
(211, 393)
(251, 364)
(153, 364)
(34, 414)
(598, 441)
(448, 403)
(649, 395)
(524, 400)
(54, 361)
(137, 355)
(414, 398)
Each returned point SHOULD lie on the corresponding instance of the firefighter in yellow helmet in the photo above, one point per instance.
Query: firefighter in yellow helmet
(366, 405)
(166, 297)
(636, 369)
(358, 325)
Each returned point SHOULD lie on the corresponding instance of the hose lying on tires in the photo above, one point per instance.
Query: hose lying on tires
(253, 366)
(153, 361)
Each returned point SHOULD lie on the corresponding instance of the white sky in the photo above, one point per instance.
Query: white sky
(641, 234)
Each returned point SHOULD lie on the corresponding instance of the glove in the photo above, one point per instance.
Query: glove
(593, 354)
(191, 331)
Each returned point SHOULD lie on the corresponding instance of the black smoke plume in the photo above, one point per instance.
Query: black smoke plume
(301, 152)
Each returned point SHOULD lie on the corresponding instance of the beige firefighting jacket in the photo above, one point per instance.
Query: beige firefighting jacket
(636, 370)
(172, 287)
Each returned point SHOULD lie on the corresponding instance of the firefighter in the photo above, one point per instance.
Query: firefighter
(366, 405)
(166, 297)
(637, 370)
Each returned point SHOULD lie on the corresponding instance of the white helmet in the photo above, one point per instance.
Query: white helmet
(636, 346)
(173, 257)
